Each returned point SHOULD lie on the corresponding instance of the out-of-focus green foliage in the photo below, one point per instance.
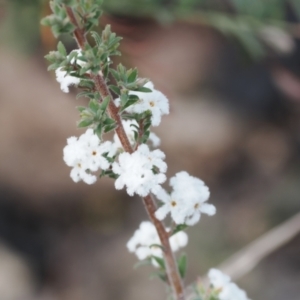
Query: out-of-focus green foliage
(243, 20)
(260, 9)
(20, 23)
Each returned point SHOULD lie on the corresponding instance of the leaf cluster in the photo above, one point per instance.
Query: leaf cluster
(59, 21)
(128, 80)
(60, 58)
(87, 12)
(95, 115)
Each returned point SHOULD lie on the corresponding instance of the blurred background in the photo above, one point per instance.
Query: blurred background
(231, 70)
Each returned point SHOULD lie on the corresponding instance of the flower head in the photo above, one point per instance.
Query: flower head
(187, 200)
(136, 171)
(154, 101)
(226, 289)
(85, 155)
(144, 240)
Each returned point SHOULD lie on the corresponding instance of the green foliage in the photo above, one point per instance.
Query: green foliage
(180, 227)
(239, 20)
(182, 265)
(58, 21)
(128, 79)
(87, 14)
(95, 115)
(57, 58)
(108, 173)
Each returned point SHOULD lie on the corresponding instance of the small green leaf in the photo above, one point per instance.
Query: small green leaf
(94, 105)
(47, 21)
(124, 99)
(135, 126)
(104, 103)
(136, 136)
(132, 77)
(143, 89)
(109, 121)
(160, 261)
(180, 227)
(129, 103)
(147, 125)
(61, 49)
(145, 137)
(84, 123)
(105, 71)
(98, 130)
(115, 89)
(115, 74)
(97, 38)
(182, 263)
(109, 128)
(85, 94)
(81, 108)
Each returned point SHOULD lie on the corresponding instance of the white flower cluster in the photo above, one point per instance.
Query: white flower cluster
(129, 127)
(65, 79)
(145, 238)
(141, 172)
(187, 200)
(85, 155)
(226, 289)
(154, 101)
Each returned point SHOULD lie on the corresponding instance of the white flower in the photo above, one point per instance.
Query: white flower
(65, 79)
(226, 289)
(129, 127)
(154, 101)
(136, 171)
(155, 157)
(178, 240)
(85, 155)
(154, 139)
(187, 200)
(146, 236)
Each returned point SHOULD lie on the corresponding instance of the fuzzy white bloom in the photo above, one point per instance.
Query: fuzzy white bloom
(129, 127)
(65, 79)
(85, 155)
(154, 101)
(226, 289)
(136, 171)
(146, 236)
(187, 200)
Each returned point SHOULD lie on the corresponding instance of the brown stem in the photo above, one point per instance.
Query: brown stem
(113, 111)
(78, 32)
(171, 266)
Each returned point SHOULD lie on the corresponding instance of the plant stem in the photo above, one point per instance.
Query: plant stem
(171, 266)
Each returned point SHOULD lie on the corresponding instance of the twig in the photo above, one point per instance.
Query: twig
(171, 266)
(245, 260)
(242, 262)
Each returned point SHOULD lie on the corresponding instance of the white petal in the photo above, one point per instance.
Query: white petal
(208, 209)
(192, 220)
(162, 212)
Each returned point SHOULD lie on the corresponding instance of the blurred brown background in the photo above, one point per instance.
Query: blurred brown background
(241, 135)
